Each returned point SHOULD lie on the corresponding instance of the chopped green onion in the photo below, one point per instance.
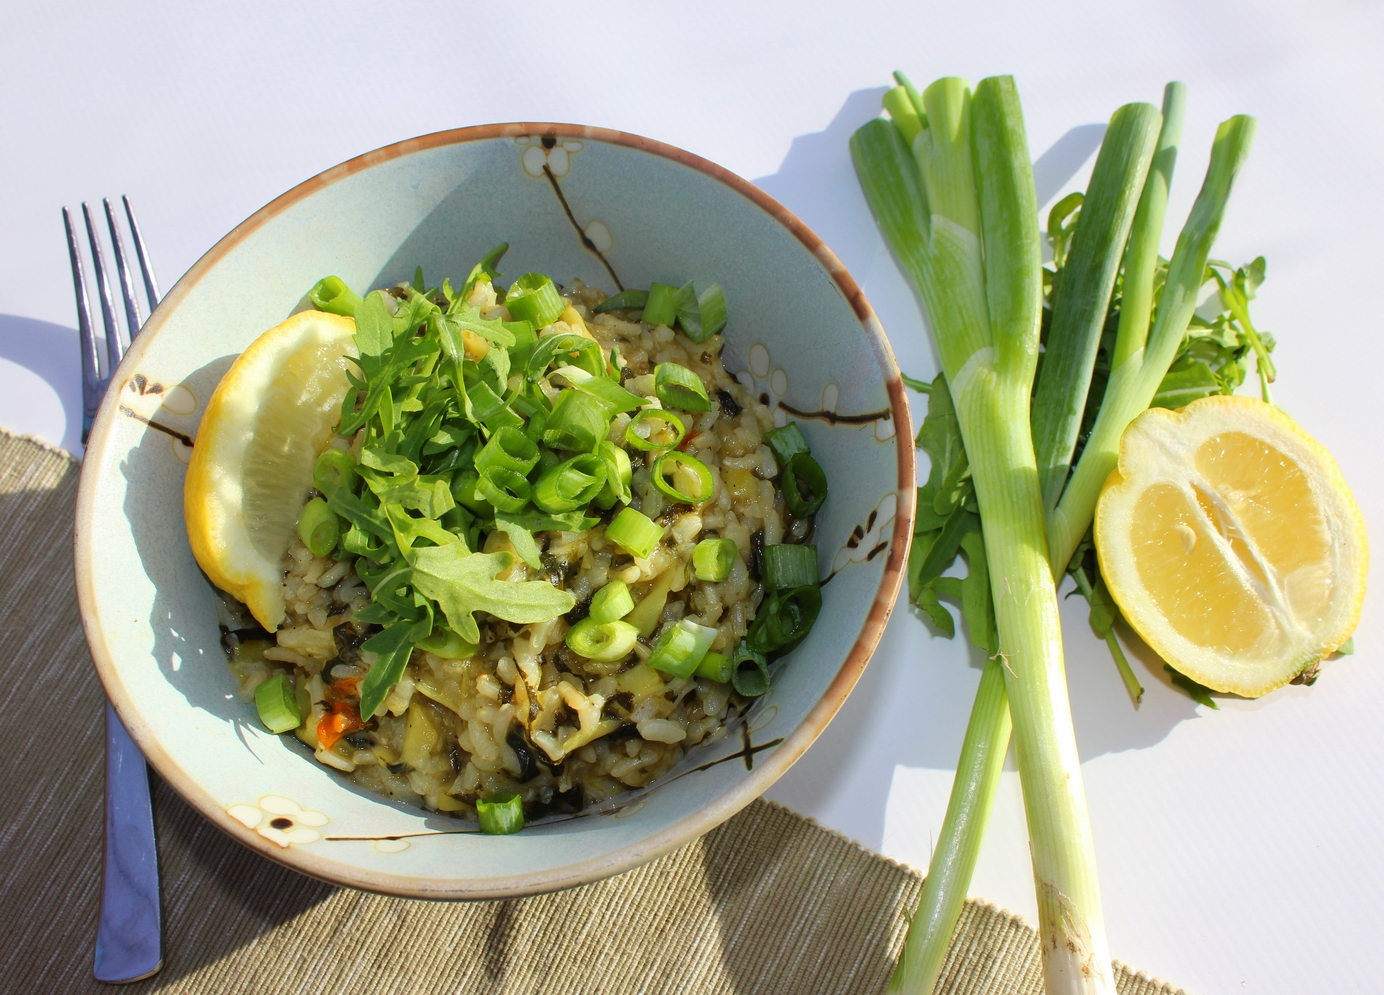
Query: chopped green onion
(500, 814)
(786, 442)
(788, 566)
(804, 485)
(604, 642)
(525, 340)
(713, 559)
(661, 306)
(678, 387)
(611, 603)
(334, 470)
(318, 527)
(577, 423)
(624, 300)
(504, 489)
(635, 533)
(464, 492)
(653, 428)
(508, 448)
(331, 294)
(603, 388)
(619, 473)
(784, 618)
(533, 298)
(749, 672)
(708, 316)
(692, 480)
(570, 485)
(277, 705)
(443, 642)
(681, 647)
(715, 667)
(575, 350)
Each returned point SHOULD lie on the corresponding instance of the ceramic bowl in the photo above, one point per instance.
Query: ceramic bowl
(612, 209)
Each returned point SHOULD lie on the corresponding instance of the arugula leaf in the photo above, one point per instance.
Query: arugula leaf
(463, 583)
(520, 538)
(374, 325)
(394, 645)
(940, 437)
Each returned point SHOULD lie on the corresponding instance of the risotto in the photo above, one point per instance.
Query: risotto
(676, 531)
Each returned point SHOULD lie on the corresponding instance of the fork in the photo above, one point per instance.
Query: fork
(129, 942)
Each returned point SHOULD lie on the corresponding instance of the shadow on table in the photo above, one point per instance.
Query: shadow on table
(50, 352)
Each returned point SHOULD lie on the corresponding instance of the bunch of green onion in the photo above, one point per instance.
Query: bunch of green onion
(949, 180)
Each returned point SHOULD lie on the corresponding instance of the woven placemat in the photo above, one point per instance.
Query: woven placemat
(769, 902)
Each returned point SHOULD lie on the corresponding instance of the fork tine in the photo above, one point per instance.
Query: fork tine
(127, 286)
(151, 287)
(91, 363)
(115, 348)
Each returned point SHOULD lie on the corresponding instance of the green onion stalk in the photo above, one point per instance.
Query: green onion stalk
(960, 212)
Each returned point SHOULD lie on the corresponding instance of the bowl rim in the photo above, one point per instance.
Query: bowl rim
(773, 765)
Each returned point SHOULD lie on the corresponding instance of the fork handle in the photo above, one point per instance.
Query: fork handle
(129, 942)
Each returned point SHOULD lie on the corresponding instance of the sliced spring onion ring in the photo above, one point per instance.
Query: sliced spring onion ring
(715, 667)
(611, 603)
(692, 479)
(602, 388)
(570, 485)
(652, 429)
(711, 318)
(334, 470)
(464, 493)
(681, 648)
(508, 448)
(635, 533)
(277, 705)
(784, 618)
(533, 298)
(624, 300)
(578, 421)
(331, 294)
(619, 473)
(749, 672)
(500, 814)
(678, 387)
(571, 349)
(788, 566)
(713, 559)
(786, 442)
(318, 527)
(661, 306)
(504, 489)
(804, 485)
(604, 642)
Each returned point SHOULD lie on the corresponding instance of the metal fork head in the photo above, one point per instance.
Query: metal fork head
(96, 374)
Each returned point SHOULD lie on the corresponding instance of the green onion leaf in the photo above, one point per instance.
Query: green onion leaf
(604, 642)
(661, 306)
(500, 814)
(786, 442)
(465, 494)
(508, 448)
(681, 647)
(318, 527)
(577, 423)
(443, 642)
(570, 485)
(278, 708)
(334, 470)
(715, 667)
(635, 533)
(713, 559)
(611, 603)
(692, 481)
(783, 619)
(504, 489)
(707, 318)
(533, 298)
(652, 429)
(788, 566)
(678, 387)
(625, 300)
(804, 485)
(331, 294)
(619, 473)
(603, 388)
(749, 672)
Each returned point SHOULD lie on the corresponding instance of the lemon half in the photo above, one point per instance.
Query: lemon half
(251, 468)
(1231, 543)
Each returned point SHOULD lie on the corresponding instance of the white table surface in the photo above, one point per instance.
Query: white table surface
(1240, 848)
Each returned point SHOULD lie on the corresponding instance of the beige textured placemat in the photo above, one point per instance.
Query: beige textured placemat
(770, 902)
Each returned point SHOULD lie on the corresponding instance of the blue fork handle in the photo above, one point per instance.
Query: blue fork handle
(129, 942)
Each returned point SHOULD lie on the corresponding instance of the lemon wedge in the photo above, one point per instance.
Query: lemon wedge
(1231, 543)
(251, 468)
